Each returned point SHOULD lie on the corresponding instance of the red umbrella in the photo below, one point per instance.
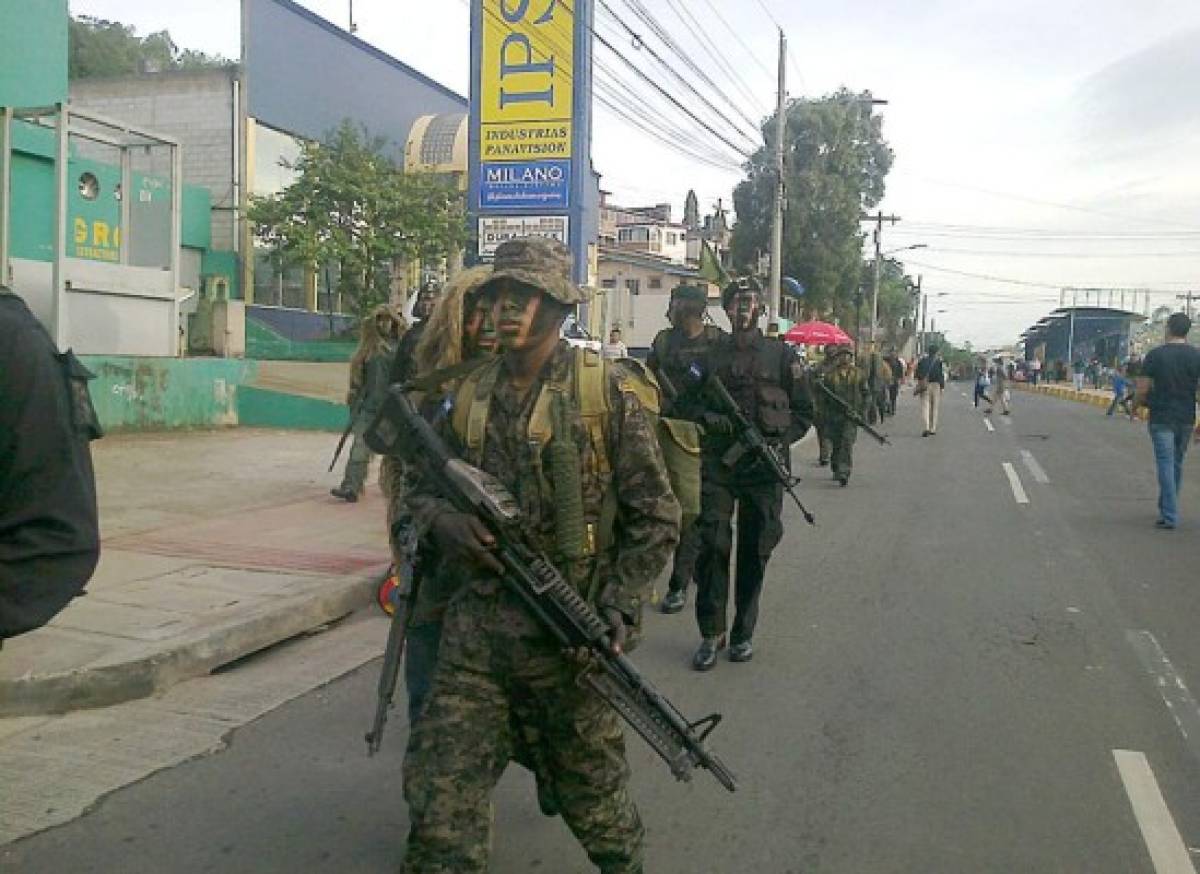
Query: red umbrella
(816, 334)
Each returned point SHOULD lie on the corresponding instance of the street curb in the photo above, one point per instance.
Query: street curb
(1067, 393)
(189, 656)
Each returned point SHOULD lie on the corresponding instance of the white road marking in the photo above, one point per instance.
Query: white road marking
(1175, 694)
(987, 423)
(1168, 853)
(1015, 481)
(1036, 469)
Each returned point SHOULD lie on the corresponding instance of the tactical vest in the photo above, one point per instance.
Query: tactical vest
(755, 385)
(585, 392)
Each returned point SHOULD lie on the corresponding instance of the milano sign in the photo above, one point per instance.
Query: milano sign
(530, 121)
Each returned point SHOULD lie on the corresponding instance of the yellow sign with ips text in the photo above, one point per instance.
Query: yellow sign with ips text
(526, 80)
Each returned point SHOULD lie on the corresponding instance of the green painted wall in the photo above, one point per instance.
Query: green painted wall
(222, 263)
(263, 408)
(152, 394)
(33, 53)
(264, 344)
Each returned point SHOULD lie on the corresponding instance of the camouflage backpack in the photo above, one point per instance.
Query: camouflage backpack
(587, 388)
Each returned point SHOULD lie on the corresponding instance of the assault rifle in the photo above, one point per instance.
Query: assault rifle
(750, 439)
(354, 411)
(404, 598)
(400, 430)
(850, 413)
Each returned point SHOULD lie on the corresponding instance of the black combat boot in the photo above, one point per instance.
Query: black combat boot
(345, 494)
(741, 652)
(674, 601)
(706, 654)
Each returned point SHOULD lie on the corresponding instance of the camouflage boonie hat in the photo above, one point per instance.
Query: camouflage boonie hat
(694, 293)
(540, 262)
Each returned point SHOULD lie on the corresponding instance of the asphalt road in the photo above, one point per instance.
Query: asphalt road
(947, 680)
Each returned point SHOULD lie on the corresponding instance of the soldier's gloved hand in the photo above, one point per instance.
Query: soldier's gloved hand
(715, 423)
(462, 536)
(618, 632)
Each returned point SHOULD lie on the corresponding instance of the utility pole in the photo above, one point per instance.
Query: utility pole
(1189, 297)
(776, 278)
(879, 218)
(353, 26)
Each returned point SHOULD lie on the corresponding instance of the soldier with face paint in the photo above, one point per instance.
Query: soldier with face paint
(766, 380)
(675, 355)
(502, 688)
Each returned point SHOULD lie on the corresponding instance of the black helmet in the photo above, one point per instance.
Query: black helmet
(740, 286)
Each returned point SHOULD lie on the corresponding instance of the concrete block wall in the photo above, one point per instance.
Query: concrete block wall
(194, 107)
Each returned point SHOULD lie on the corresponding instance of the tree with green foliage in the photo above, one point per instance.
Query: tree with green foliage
(352, 208)
(836, 163)
(97, 48)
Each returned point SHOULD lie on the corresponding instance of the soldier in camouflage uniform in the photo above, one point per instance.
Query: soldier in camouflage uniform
(824, 445)
(501, 679)
(842, 377)
(460, 328)
(765, 379)
(368, 387)
(679, 355)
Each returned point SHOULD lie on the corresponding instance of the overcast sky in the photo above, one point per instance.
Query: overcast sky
(1051, 142)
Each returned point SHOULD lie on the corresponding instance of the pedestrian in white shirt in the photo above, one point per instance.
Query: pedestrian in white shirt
(614, 348)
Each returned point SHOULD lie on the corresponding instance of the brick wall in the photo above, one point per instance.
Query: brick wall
(195, 108)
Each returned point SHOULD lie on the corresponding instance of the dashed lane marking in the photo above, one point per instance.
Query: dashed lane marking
(1168, 853)
(1036, 469)
(987, 423)
(1018, 490)
(1174, 691)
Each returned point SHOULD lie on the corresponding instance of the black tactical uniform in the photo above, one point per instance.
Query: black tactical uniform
(681, 362)
(764, 377)
(49, 531)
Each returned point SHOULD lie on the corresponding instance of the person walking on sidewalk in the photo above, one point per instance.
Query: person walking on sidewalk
(931, 383)
(1169, 378)
(368, 387)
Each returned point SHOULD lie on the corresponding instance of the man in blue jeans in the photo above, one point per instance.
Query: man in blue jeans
(1167, 384)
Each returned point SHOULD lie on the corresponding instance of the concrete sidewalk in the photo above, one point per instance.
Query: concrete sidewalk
(215, 545)
(1097, 397)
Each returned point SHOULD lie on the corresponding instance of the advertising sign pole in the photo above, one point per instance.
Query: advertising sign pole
(530, 125)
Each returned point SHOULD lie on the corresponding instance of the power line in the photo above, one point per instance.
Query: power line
(1051, 203)
(749, 51)
(678, 76)
(650, 81)
(1194, 253)
(698, 32)
(1028, 283)
(646, 17)
(612, 103)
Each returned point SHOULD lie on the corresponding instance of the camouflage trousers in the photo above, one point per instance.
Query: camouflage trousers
(842, 434)
(358, 465)
(501, 684)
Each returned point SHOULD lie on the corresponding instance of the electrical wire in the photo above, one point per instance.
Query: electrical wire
(678, 76)
(749, 52)
(646, 17)
(701, 37)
